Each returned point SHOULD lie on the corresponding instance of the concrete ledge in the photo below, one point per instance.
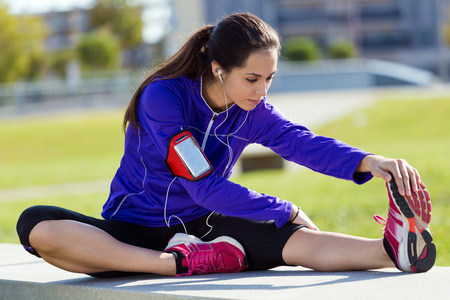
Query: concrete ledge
(22, 276)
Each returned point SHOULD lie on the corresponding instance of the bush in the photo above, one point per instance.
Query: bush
(341, 48)
(301, 49)
(99, 50)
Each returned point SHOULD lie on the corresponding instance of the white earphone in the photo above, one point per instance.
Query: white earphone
(219, 72)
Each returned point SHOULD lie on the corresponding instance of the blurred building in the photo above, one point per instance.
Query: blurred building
(403, 31)
(65, 27)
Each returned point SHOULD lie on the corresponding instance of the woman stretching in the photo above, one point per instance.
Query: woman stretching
(172, 209)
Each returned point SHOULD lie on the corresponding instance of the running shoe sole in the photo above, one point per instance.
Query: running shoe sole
(419, 253)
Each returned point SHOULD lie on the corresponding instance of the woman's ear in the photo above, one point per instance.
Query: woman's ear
(215, 67)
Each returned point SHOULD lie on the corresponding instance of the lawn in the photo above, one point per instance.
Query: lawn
(59, 149)
(88, 146)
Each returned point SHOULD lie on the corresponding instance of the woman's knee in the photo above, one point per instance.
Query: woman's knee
(302, 248)
(34, 226)
(27, 220)
(44, 236)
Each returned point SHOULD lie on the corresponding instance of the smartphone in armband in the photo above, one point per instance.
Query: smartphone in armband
(186, 159)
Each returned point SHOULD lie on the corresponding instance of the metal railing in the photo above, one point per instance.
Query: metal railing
(53, 95)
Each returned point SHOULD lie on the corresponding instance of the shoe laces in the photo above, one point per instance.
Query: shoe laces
(380, 220)
(202, 263)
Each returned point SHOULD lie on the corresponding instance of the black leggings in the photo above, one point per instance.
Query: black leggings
(263, 242)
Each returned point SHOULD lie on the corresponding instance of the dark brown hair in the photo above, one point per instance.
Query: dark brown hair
(229, 43)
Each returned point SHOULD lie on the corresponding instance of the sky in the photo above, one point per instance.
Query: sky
(39, 6)
(155, 17)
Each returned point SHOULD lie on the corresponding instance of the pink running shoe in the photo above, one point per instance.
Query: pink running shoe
(194, 256)
(407, 239)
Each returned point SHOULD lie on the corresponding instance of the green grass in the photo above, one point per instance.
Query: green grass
(59, 149)
(88, 146)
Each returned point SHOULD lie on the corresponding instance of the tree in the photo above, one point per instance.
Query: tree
(123, 20)
(99, 50)
(21, 40)
(13, 60)
(301, 49)
(33, 31)
(341, 48)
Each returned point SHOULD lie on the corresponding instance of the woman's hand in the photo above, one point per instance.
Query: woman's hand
(302, 219)
(406, 177)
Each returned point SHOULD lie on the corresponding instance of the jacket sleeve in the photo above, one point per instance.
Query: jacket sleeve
(161, 115)
(297, 143)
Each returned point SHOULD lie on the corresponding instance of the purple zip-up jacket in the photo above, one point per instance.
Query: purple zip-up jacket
(144, 191)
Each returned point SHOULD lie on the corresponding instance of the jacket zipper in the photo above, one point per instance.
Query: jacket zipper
(208, 130)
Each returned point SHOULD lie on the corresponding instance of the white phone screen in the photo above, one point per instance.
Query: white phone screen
(192, 157)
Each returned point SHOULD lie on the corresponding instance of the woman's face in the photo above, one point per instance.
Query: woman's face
(247, 85)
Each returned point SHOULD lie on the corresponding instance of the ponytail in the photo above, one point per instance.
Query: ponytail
(191, 60)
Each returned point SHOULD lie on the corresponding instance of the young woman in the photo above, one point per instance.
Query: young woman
(187, 124)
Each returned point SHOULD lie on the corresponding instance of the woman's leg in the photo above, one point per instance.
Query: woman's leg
(108, 248)
(326, 251)
(83, 248)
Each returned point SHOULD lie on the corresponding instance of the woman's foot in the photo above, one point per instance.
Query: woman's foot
(407, 238)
